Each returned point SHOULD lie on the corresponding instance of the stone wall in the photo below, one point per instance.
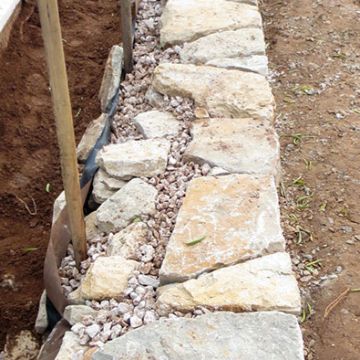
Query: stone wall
(226, 251)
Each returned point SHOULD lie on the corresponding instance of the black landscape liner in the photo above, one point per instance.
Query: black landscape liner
(60, 237)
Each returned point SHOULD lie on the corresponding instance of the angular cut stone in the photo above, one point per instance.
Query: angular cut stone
(265, 283)
(111, 80)
(135, 158)
(70, 347)
(236, 217)
(105, 186)
(236, 145)
(224, 93)
(127, 242)
(157, 124)
(216, 336)
(136, 198)
(92, 133)
(255, 63)
(188, 20)
(227, 44)
(107, 277)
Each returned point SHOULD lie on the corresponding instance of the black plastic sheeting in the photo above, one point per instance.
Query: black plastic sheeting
(89, 172)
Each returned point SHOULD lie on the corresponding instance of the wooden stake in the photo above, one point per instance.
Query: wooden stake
(127, 36)
(50, 24)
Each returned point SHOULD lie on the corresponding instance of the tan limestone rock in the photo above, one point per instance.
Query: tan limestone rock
(266, 283)
(235, 216)
(254, 63)
(111, 80)
(134, 158)
(105, 186)
(70, 347)
(90, 227)
(92, 133)
(224, 93)
(236, 145)
(156, 124)
(107, 277)
(226, 44)
(188, 20)
(127, 242)
(136, 198)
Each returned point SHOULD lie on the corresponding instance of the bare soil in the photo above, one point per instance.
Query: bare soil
(28, 148)
(314, 53)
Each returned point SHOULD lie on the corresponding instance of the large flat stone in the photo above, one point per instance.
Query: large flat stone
(134, 158)
(136, 198)
(188, 20)
(265, 283)
(224, 93)
(106, 278)
(227, 44)
(254, 63)
(236, 145)
(217, 336)
(236, 215)
(156, 124)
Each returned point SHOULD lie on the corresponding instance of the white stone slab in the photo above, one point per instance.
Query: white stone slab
(217, 336)
(226, 44)
(236, 216)
(188, 20)
(157, 124)
(266, 283)
(134, 158)
(244, 146)
(224, 93)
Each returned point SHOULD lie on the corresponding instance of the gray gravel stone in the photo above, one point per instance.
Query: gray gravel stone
(216, 336)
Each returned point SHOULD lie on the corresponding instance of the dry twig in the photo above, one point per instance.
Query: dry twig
(32, 213)
(337, 301)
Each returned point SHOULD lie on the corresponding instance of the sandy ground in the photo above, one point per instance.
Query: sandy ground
(314, 53)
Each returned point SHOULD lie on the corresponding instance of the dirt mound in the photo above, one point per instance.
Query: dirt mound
(28, 148)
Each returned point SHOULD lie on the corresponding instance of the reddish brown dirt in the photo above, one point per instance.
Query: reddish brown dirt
(314, 48)
(28, 148)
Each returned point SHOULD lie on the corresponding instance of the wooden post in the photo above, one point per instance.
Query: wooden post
(127, 36)
(50, 24)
